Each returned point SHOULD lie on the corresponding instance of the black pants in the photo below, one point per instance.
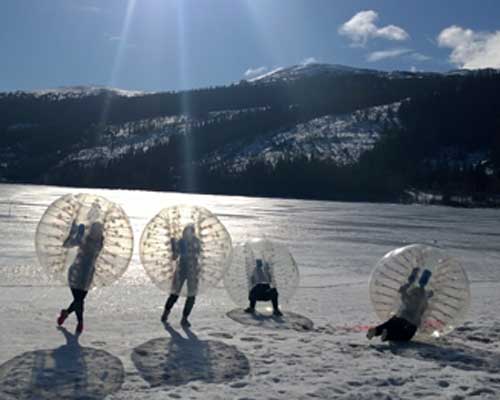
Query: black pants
(263, 292)
(78, 303)
(188, 305)
(398, 330)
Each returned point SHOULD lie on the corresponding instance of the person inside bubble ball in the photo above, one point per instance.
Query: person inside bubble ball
(414, 303)
(81, 272)
(261, 283)
(186, 251)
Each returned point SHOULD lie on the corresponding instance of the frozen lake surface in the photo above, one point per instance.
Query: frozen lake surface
(335, 245)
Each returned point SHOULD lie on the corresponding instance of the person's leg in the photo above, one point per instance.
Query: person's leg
(188, 307)
(79, 304)
(404, 331)
(79, 307)
(177, 283)
(168, 306)
(252, 298)
(381, 330)
(66, 312)
(72, 306)
(273, 294)
(399, 330)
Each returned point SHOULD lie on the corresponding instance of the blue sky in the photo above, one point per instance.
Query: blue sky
(174, 44)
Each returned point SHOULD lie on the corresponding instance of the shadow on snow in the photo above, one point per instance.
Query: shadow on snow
(68, 372)
(456, 356)
(178, 360)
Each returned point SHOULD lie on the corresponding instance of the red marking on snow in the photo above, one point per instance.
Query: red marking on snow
(433, 324)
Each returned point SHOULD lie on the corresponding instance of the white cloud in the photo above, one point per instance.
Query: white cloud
(395, 53)
(384, 54)
(362, 27)
(309, 60)
(254, 72)
(419, 57)
(413, 69)
(471, 49)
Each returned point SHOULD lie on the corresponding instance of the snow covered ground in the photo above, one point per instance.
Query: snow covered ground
(126, 353)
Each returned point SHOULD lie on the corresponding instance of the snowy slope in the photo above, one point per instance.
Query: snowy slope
(125, 353)
(340, 138)
(301, 71)
(307, 70)
(120, 140)
(75, 92)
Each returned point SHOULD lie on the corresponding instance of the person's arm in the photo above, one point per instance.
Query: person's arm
(75, 235)
(269, 275)
(404, 288)
(404, 291)
(253, 280)
(197, 247)
(101, 244)
(175, 248)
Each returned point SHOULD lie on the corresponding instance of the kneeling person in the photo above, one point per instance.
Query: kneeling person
(260, 282)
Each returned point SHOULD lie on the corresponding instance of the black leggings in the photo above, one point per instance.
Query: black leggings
(188, 305)
(398, 330)
(77, 304)
(263, 292)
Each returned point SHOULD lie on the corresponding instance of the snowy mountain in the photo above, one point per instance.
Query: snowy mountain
(315, 117)
(302, 71)
(74, 92)
(307, 70)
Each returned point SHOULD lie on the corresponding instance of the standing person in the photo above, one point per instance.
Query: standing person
(261, 289)
(81, 272)
(186, 252)
(414, 303)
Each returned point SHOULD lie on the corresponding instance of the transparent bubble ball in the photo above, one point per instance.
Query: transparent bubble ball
(284, 270)
(88, 210)
(158, 254)
(448, 282)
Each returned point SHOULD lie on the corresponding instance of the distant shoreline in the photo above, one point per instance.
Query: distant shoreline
(409, 197)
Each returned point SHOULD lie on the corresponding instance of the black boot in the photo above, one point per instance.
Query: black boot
(168, 306)
(274, 300)
(188, 307)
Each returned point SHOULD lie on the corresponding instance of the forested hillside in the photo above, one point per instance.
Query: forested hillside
(320, 131)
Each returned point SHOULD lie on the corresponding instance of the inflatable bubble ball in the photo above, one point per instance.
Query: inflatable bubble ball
(185, 250)
(444, 280)
(261, 260)
(84, 233)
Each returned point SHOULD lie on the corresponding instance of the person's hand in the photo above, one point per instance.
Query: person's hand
(413, 276)
(81, 232)
(73, 229)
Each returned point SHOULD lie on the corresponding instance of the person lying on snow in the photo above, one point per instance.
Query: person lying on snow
(414, 302)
